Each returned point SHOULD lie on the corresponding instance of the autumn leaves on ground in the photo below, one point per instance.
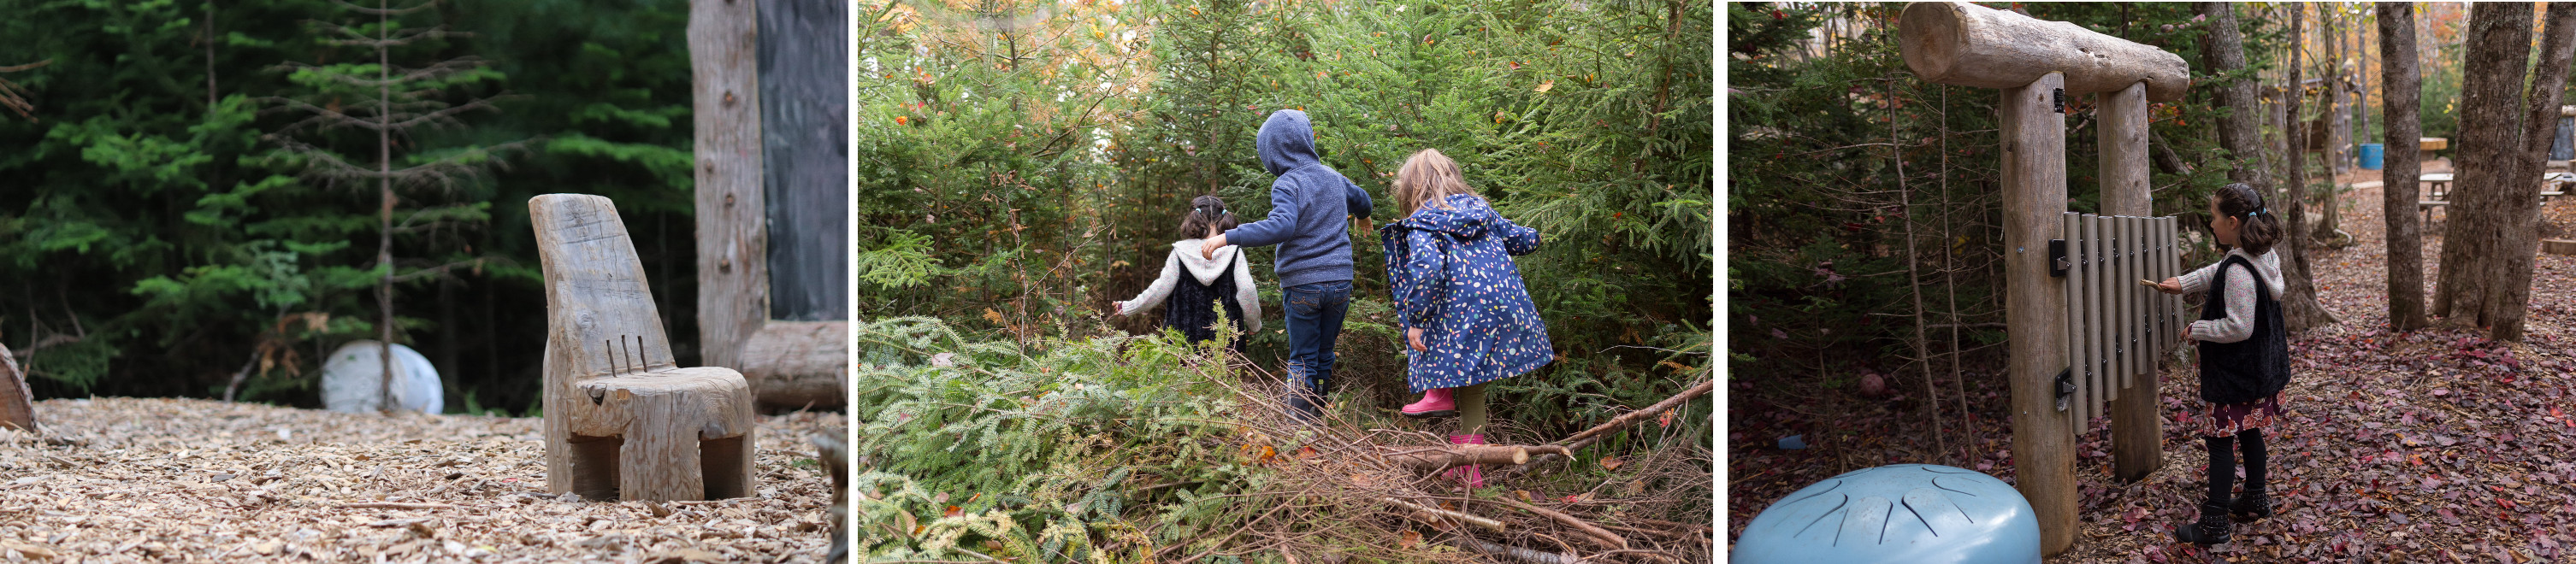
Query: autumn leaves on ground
(137, 479)
(2430, 446)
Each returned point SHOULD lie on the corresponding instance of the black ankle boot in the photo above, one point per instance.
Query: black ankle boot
(2212, 528)
(2252, 506)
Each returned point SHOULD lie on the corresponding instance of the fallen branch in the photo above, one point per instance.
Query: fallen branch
(1514, 552)
(1435, 515)
(1589, 436)
(1584, 439)
(1434, 459)
(390, 505)
(1597, 534)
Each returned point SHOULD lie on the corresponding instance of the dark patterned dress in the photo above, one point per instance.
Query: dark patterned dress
(1452, 274)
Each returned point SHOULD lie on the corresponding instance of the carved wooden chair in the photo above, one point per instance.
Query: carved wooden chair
(623, 421)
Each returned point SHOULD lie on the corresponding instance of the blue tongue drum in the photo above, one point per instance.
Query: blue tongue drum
(1909, 513)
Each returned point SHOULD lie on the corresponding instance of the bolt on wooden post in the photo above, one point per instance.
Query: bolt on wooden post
(2040, 66)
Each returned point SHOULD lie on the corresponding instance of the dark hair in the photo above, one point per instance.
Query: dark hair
(1206, 211)
(2262, 228)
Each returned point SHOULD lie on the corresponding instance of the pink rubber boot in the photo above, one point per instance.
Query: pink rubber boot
(1473, 477)
(1436, 402)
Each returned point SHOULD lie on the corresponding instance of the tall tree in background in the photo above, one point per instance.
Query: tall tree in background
(2237, 130)
(2404, 100)
(2300, 307)
(390, 102)
(2486, 251)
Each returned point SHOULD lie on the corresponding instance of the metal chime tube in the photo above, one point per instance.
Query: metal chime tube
(2096, 255)
(2072, 230)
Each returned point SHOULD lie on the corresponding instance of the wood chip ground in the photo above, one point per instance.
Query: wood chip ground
(184, 480)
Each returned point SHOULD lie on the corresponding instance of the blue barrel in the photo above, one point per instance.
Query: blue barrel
(1909, 513)
(2372, 154)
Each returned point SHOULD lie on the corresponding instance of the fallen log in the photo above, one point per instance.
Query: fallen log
(1436, 515)
(1434, 459)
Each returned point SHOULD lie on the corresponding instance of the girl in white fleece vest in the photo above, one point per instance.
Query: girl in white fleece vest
(1194, 284)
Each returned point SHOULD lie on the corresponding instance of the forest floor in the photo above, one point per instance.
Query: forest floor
(184, 480)
(2431, 446)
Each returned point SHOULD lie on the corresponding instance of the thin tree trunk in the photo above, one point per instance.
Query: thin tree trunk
(2299, 305)
(210, 62)
(1949, 275)
(385, 213)
(1914, 276)
(2518, 205)
(2499, 44)
(2398, 192)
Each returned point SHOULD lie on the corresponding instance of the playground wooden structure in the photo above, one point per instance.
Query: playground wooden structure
(623, 421)
(2038, 65)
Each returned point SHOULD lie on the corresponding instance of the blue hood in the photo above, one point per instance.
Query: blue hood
(1467, 219)
(1286, 142)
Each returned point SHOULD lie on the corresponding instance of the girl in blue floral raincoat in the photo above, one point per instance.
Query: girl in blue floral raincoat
(1467, 318)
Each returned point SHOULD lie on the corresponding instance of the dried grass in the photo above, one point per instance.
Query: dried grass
(184, 480)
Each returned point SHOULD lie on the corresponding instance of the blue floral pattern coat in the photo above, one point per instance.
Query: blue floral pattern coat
(1452, 274)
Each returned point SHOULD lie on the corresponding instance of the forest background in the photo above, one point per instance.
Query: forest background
(159, 241)
(1023, 164)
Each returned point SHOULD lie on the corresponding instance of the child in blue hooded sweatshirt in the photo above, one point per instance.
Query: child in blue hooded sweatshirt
(1467, 318)
(1307, 204)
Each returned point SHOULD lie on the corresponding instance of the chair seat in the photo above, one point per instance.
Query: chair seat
(707, 398)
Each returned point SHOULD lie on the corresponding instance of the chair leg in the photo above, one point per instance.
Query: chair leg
(660, 464)
(594, 466)
(726, 465)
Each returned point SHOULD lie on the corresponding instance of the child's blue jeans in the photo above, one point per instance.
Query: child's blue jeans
(1314, 323)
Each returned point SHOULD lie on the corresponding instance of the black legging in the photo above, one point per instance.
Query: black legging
(2222, 464)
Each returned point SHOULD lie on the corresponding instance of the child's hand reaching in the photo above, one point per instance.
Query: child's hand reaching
(1207, 250)
(1415, 335)
(2171, 286)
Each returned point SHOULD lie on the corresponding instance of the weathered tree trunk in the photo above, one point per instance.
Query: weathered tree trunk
(2237, 131)
(2034, 189)
(2299, 305)
(2518, 206)
(2137, 434)
(733, 272)
(2399, 192)
(2499, 44)
(1970, 45)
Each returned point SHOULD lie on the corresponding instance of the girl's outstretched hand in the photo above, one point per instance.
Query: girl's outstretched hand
(2171, 286)
(1415, 336)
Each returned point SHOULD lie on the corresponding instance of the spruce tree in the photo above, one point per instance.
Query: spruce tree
(375, 96)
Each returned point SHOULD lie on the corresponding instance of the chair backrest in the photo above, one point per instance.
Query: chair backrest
(599, 313)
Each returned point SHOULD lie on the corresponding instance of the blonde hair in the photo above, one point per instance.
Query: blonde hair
(1428, 177)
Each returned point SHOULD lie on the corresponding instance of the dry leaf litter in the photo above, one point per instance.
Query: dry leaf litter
(186, 480)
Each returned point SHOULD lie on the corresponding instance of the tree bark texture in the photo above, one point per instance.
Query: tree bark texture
(2238, 131)
(2299, 306)
(2034, 194)
(2517, 218)
(733, 277)
(2137, 434)
(1970, 45)
(2499, 37)
(2401, 191)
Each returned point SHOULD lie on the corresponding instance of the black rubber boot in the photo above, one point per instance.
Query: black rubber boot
(2250, 506)
(2212, 528)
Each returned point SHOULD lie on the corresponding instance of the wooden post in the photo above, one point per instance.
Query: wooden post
(733, 274)
(743, 169)
(2034, 186)
(2137, 435)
